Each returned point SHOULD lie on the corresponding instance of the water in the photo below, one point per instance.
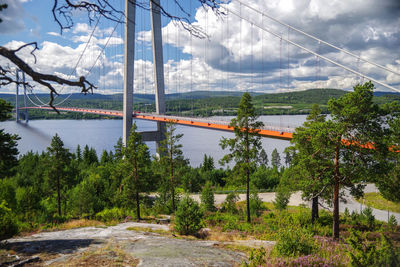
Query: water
(103, 135)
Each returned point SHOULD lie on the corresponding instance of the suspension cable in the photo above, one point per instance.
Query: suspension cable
(319, 40)
(314, 53)
(97, 59)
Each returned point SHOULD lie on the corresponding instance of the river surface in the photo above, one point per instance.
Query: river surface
(103, 135)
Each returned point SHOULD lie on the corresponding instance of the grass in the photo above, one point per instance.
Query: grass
(149, 230)
(79, 224)
(375, 200)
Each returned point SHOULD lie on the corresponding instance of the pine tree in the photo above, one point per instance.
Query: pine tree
(171, 157)
(245, 146)
(136, 164)
(275, 159)
(60, 158)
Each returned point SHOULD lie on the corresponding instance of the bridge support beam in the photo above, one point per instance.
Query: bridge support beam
(130, 9)
(158, 66)
(20, 78)
(129, 70)
(152, 136)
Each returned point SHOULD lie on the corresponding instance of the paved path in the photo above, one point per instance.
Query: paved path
(353, 205)
(295, 200)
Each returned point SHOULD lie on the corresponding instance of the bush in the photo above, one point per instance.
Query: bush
(387, 253)
(256, 205)
(257, 257)
(229, 204)
(188, 217)
(207, 198)
(294, 242)
(365, 253)
(8, 223)
(114, 214)
(368, 217)
(392, 223)
(308, 261)
(281, 199)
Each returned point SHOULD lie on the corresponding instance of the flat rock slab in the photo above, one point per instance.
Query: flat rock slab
(151, 249)
(163, 251)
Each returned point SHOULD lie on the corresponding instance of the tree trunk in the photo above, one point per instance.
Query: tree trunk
(248, 195)
(137, 205)
(58, 196)
(136, 176)
(172, 179)
(247, 176)
(336, 193)
(314, 209)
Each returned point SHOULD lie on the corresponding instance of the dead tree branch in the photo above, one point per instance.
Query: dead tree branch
(43, 79)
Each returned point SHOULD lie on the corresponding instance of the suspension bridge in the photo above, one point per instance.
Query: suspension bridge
(163, 75)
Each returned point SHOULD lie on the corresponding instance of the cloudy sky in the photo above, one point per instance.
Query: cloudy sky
(237, 55)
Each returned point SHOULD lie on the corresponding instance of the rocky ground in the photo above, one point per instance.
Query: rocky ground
(143, 245)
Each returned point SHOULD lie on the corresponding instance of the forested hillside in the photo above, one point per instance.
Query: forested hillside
(201, 103)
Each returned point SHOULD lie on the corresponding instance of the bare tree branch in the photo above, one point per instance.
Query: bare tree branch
(43, 79)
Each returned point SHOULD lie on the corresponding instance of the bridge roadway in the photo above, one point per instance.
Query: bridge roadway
(267, 131)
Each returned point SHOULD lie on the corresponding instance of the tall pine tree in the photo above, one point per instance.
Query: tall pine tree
(244, 148)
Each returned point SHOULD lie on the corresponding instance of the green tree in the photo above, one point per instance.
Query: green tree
(8, 144)
(207, 197)
(136, 162)
(78, 153)
(356, 124)
(57, 173)
(312, 169)
(208, 163)
(245, 146)
(389, 183)
(188, 216)
(118, 149)
(275, 159)
(171, 158)
(89, 156)
(263, 158)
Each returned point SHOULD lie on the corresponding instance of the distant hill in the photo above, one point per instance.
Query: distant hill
(386, 93)
(206, 103)
(310, 96)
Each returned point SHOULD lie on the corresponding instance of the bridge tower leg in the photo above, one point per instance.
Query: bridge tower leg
(155, 13)
(26, 110)
(16, 98)
(158, 66)
(130, 9)
(20, 78)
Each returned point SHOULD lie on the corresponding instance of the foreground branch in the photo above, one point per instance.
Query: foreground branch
(43, 79)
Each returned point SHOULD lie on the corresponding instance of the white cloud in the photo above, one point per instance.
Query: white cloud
(240, 56)
(237, 48)
(54, 34)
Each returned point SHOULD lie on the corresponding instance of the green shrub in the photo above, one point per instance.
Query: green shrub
(188, 216)
(392, 222)
(366, 253)
(387, 253)
(207, 197)
(8, 223)
(281, 199)
(229, 204)
(257, 257)
(368, 217)
(294, 242)
(114, 214)
(256, 205)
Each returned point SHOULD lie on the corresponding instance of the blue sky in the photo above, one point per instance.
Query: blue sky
(236, 56)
